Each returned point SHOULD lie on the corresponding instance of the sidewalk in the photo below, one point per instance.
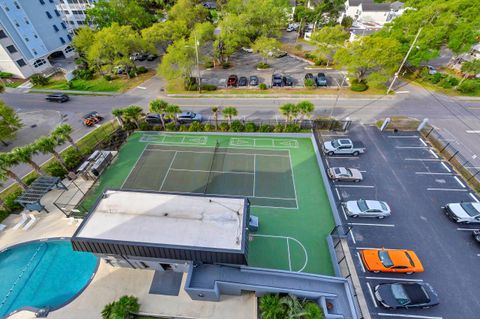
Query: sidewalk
(72, 92)
(273, 95)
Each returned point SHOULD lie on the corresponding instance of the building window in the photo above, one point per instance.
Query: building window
(69, 49)
(48, 14)
(27, 39)
(62, 40)
(26, 21)
(63, 25)
(35, 36)
(42, 2)
(69, 37)
(57, 13)
(17, 24)
(55, 28)
(34, 51)
(11, 49)
(2, 34)
(7, 8)
(51, 1)
(21, 63)
(39, 62)
(16, 4)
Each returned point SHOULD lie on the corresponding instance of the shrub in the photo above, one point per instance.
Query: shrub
(209, 87)
(121, 308)
(298, 47)
(9, 201)
(190, 83)
(129, 126)
(5, 75)
(437, 77)
(142, 70)
(278, 128)
(237, 126)
(3, 214)
(208, 64)
(310, 83)
(171, 126)
(469, 86)
(55, 169)
(263, 66)
(108, 77)
(309, 56)
(265, 128)
(196, 127)
(320, 61)
(209, 127)
(39, 79)
(30, 179)
(132, 73)
(183, 128)
(250, 127)
(225, 65)
(313, 311)
(84, 74)
(292, 128)
(448, 82)
(262, 86)
(358, 86)
(223, 127)
(72, 158)
(144, 126)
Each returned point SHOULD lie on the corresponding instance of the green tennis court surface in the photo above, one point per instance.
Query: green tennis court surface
(280, 176)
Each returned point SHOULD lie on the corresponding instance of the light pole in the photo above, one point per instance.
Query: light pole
(199, 78)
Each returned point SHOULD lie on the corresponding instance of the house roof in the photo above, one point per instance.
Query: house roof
(370, 5)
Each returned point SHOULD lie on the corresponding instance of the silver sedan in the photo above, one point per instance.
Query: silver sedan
(344, 174)
(367, 208)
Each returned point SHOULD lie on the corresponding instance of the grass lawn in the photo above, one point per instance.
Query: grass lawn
(436, 88)
(98, 84)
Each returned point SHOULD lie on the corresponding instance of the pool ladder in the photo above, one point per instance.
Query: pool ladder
(21, 274)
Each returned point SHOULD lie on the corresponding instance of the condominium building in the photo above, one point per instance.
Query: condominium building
(74, 11)
(32, 33)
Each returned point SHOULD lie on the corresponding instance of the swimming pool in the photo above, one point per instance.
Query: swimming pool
(43, 274)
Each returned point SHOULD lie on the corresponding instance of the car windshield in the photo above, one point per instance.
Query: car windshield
(385, 258)
(335, 143)
(470, 209)
(384, 207)
(399, 294)
(362, 205)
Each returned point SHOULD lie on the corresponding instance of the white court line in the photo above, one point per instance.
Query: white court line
(168, 171)
(361, 262)
(371, 295)
(474, 198)
(293, 178)
(366, 224)
(289, 258)
(353, 237)
(411, 147)
(424, 159)
(394, 279)
(430, 173)
(433, 153)
(458, 181)
(423, 142)
(133, 167)
(344, 214)
(288, 238)
(205, 171)
(222, 153)
(254, 173)
(338, 194)
(355, 186)
(446, 189)
(406, 316)
(446, 167)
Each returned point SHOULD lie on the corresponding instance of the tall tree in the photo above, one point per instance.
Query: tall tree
(171, 111)
(159, 106)
(230, 112)
(266, 47)
(470, 68)
(7, 162)
(329, 39)
(10, 123)
(25, 154)
(305, 108)
(118, 113)
(47, 145)
(179, 61)
(216, 111)
(162, 34)
(290, 111)
(64, 132)
(82, 41)
(189, 11)
(133, 113)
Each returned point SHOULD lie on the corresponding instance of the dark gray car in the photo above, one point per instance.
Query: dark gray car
(253, 80)
(406, 295)
(277, 80)
(321, 79)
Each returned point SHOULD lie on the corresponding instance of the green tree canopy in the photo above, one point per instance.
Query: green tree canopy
(265, 46)
(179, 60)
(162, 34)
(471, 67)
(10, 123)
(329, 39)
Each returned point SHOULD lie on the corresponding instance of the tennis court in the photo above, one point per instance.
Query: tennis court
(279, 175)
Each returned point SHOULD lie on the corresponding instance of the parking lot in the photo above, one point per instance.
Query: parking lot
(401, 169)
(244, 64)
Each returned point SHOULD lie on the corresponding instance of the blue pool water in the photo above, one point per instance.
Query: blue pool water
(42, 274)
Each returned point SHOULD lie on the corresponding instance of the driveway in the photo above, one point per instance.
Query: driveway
(404, 171)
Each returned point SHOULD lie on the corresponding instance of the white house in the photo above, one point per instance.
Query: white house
(372, 14)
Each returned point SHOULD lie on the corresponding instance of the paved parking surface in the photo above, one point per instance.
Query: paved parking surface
(244, 64)
(403, 170)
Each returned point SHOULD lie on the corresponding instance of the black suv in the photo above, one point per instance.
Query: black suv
(277, 80)
(287, 80)
(57, 97)
(242, 81)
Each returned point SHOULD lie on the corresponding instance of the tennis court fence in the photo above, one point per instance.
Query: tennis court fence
(319, 124)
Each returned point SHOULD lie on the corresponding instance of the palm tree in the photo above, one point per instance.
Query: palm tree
(305, 108)
(10, 123)
(25, 155)
(216, 111)
(229, 113)
(7, 161)
(159, 106)
(171, 110)
(313, 311)
(47, 144)
(63, 132)
(293, 305)
(133, 113)
(271, 307)
(118, 116)
(289, 110)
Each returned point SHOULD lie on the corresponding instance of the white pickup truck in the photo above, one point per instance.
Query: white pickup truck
(343, 146)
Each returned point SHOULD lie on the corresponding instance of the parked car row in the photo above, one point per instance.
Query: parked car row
(279, 80)
(235, 81)
(182, 118)
(319, 80)
(143, 56)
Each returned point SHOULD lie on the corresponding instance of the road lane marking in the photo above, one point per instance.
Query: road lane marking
(338, 194)
(344, 214)
(406, 316)
(433, 153)
(473, 132)
(446, 189)
(423, 142)
(446, 167)
(430, 173)
(361, 262)
(355, 186)
(458, 181)
(394, 279)
(424, 159)
(402, 92)
(474, 198)
(366, 224)
(353, 237)
(141, 87)
(371, 295)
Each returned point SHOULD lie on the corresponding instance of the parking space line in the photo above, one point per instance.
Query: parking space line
(458, 181)
(402, 136)
(344, 214)
(474, 198)
(370, 248)
(355, 186)
(423, 142)
(433, 153)
(361, 262)
(338, 194)
(430, 173)
(353, 237)
(407, 316)
(411, 147)
(394, 279)
(345, 157)
(446, 167)
(465, 229)
(446, 189)
(378, 225)
(371, 295)
(424, 159)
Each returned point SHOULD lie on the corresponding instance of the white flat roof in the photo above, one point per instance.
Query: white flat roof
(169, 219)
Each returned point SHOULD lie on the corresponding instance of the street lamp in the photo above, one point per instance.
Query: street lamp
(199, 78)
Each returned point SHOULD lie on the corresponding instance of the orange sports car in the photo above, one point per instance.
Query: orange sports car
(391, 260)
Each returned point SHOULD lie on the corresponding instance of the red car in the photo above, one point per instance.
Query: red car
(232, 80)
(91, 119)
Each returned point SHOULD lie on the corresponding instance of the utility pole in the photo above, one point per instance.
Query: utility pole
(404, 60)
(199, 78)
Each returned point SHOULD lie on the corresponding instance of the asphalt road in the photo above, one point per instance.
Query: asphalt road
(458, 120)
(401, 170)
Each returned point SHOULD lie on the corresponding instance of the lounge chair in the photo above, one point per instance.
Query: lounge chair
(22, 221)
(30, 223)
